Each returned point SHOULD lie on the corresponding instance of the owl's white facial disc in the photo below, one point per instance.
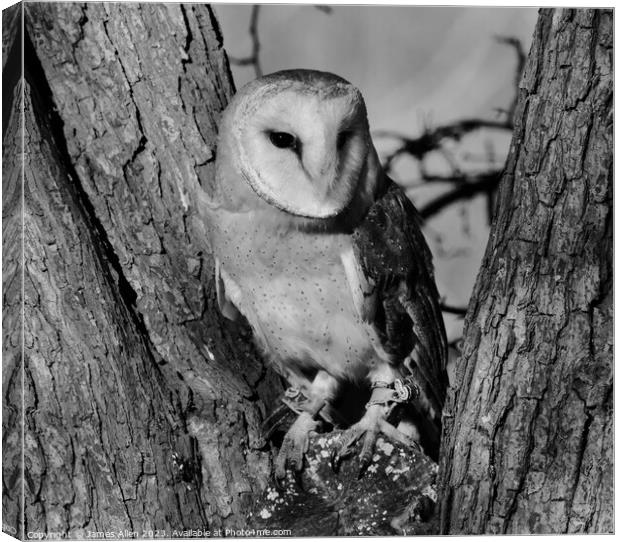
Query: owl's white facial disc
(301, 148)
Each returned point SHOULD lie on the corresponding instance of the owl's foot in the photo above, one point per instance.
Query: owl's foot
(373, 423)
(295, 446)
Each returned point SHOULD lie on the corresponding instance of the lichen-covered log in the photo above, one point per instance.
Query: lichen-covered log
(396, 495)
(528, 444)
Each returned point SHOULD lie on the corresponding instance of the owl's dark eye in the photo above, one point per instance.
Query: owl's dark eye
(343, 137)
(283, 140)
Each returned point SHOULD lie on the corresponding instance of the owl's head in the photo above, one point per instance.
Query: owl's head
(300, 140)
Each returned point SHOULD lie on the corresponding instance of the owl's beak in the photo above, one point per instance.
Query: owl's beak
(318, 161)
(320, 164)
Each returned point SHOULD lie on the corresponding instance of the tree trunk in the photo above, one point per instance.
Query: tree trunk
(12, 235)
(141, 404)
(528, 438)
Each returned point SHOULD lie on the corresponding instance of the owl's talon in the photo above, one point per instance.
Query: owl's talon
(294, 446)
(398, 436)
(334, 461)
(346, 445)
(370, 438)
(369, 427)
(278, 482)
(297, 474)
(362, 470)
(368, 447)
(337, 456)
(366, 459)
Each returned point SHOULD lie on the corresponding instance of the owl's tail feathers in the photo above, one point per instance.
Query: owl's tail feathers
(430, 349)
(422, 410)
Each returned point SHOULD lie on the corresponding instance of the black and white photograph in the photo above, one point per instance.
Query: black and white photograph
(306, 270)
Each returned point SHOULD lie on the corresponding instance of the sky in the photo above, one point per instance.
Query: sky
(442, 61)
(417, 67)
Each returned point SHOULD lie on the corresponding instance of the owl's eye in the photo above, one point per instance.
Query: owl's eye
(343, 137)
(283, 140)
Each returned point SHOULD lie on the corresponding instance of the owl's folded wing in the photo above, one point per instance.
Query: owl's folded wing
(391, 276)
(226, 306)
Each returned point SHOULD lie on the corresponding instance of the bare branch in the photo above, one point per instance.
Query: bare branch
(255, 40)
(432, 140)
(467, 187)
(451, 309)
(254, 58)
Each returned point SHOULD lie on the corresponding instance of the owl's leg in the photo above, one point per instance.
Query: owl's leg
(295, 443)
(388, 390)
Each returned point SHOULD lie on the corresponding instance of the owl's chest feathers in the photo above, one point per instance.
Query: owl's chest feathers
(293, 290)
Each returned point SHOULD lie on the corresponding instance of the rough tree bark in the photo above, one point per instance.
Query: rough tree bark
(529, 448)
(141, 404)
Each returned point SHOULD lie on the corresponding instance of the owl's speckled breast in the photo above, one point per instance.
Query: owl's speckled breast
(293, 290)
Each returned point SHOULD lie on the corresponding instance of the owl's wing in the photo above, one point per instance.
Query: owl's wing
(227, 307)
(391, 276)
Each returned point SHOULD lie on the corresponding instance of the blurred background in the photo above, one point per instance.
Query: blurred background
(439, 85)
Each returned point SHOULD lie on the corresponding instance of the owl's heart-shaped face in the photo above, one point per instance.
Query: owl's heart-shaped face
(301, 142)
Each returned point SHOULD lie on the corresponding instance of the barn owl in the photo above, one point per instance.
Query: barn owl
(322, 254)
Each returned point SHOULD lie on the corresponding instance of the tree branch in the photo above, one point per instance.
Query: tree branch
(467, 188)
(254, 58)
(432, 140)
(460, 311)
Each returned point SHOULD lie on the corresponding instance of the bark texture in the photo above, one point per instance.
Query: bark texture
(528, 434)
(12, 236)
(141, 404)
